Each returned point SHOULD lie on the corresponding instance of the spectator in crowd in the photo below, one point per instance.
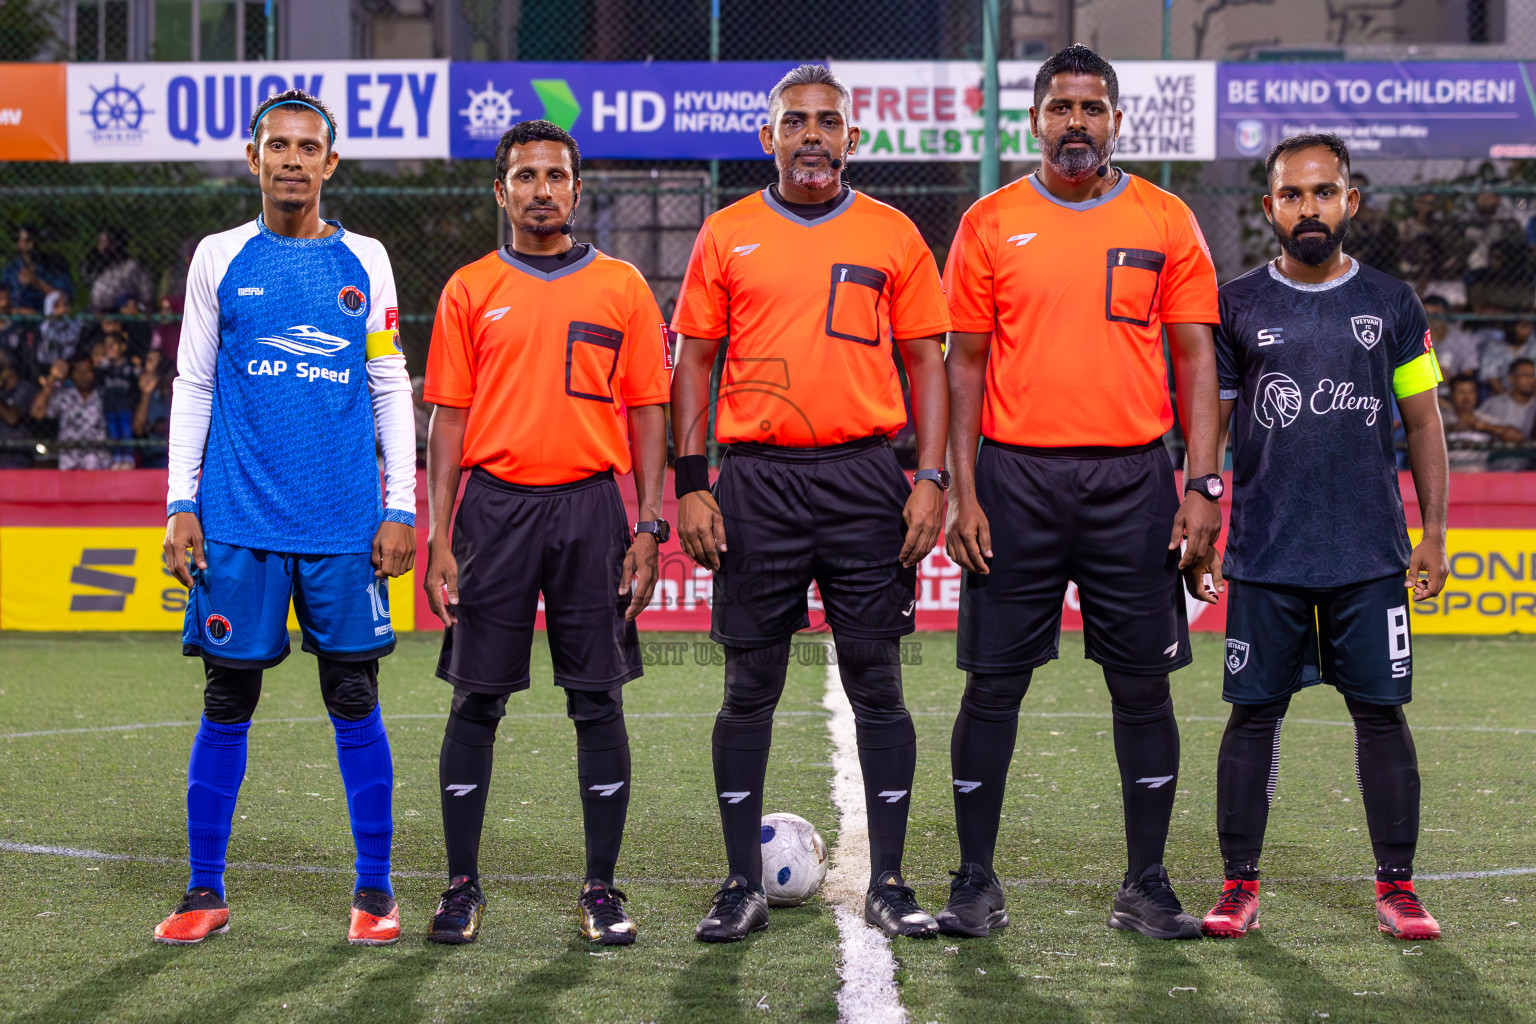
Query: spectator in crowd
(69, 394)
(31, 275)
(165, 336)
(58, 336)
(1511, 414)
(1466, 435)
(1486, 227)
(16, 395)
(133, 331)
(1372, 234)
(152, 416)
(1499, 354)
(1507, 280)
(1431, 250)
(112, 276)
(173, 283)
(118, 376)
(423, 417)
(1456, 348)
(18, 341)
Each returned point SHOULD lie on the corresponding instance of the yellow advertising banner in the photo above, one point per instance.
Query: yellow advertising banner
(1491, 588)
(110, 578)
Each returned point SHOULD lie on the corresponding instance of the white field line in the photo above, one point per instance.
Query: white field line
(134, 727)
(76, 853)
(388, 718)
(868, 970)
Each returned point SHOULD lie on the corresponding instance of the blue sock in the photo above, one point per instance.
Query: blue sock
(214, 774)
(368, 773)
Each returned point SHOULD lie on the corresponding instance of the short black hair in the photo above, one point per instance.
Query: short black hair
(1522, 361)
(1076, 59)
(1441, 299)
(1463, 378)
(525, 132)
(295, 98)
(1307, 140)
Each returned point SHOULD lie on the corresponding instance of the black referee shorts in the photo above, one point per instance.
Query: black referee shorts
(1283, 639)
(1100, 517)
(512, 542)
(793, 515)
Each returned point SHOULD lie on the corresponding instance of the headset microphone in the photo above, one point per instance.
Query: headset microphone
(837, 164)
(1103, 170)
(565, 228)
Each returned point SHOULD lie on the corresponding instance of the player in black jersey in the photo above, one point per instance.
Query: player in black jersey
(1311, 351)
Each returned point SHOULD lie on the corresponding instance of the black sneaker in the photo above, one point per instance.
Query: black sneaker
(892, 907)
(457, 920)
(975, 904)
(603, 919)
(738, 911)
(1149, 906)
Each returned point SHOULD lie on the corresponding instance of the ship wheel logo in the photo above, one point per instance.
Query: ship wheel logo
(489, 113)
(117, 108)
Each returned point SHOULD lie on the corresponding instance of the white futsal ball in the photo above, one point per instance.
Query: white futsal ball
(794, 859)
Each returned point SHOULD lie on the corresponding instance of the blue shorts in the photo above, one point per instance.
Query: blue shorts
(1283, 639)
(237, 612)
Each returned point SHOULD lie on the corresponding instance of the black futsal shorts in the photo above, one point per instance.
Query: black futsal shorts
(793, 515)
(1100, 517)
(513, 542)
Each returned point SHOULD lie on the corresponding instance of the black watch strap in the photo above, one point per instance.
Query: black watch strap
(938, 476)
(660, 527)
(1208, 486)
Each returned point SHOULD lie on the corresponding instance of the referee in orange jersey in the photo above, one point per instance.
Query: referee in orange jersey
(1060, 287)
(548, 368)
(816, 286)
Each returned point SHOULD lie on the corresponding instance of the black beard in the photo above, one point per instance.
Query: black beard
(289, 205)
(1076, 165)
(1314, 252)
(542, 229)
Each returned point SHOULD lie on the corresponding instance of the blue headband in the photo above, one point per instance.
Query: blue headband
(296, 103)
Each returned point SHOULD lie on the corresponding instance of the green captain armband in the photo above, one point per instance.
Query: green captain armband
(1416, 376)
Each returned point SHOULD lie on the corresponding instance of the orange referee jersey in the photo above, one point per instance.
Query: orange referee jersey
(1075, 296)
(811, 308)
(547, 364)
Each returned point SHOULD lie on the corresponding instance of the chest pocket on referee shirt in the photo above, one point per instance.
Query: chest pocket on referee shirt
(1130, 285)
(591, 357)
(853, 306)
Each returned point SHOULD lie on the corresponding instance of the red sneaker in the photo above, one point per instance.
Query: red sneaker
(199, 914)
(375, 919)
(1235, 913)
(1400, 914)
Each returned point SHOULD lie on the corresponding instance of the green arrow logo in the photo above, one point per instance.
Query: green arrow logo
(560, 104)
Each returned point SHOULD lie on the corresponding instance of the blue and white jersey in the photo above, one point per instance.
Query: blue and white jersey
(289, 364)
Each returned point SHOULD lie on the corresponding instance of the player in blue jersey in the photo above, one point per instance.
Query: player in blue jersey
(1312, 350)
(290, 367)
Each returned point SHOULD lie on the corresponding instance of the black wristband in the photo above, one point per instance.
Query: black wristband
(690, 473)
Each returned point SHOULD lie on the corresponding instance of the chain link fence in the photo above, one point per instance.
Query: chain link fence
(117, 238)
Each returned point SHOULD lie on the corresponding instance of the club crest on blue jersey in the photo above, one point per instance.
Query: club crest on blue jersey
(218, 629)
(351, 301)
(1367, 330)
(1237, 655)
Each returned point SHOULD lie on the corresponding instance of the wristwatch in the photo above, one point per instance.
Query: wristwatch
(1209, 486)
(938, 476)
(657, 526)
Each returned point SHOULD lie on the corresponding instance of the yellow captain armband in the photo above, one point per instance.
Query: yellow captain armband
(1415, 376)
(384, 343)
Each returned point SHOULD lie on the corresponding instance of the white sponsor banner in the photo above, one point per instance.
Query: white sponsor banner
(930, 110)
(122, 113)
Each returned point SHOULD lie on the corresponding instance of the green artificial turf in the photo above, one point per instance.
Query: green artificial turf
(75, 943)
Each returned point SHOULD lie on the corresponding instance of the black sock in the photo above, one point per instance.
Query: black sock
(1246, 772)
(871, 675)
(980, 749)
(464, 773)
(1387, 771)
(754, 681)
(1147, 750)
(602, 773)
